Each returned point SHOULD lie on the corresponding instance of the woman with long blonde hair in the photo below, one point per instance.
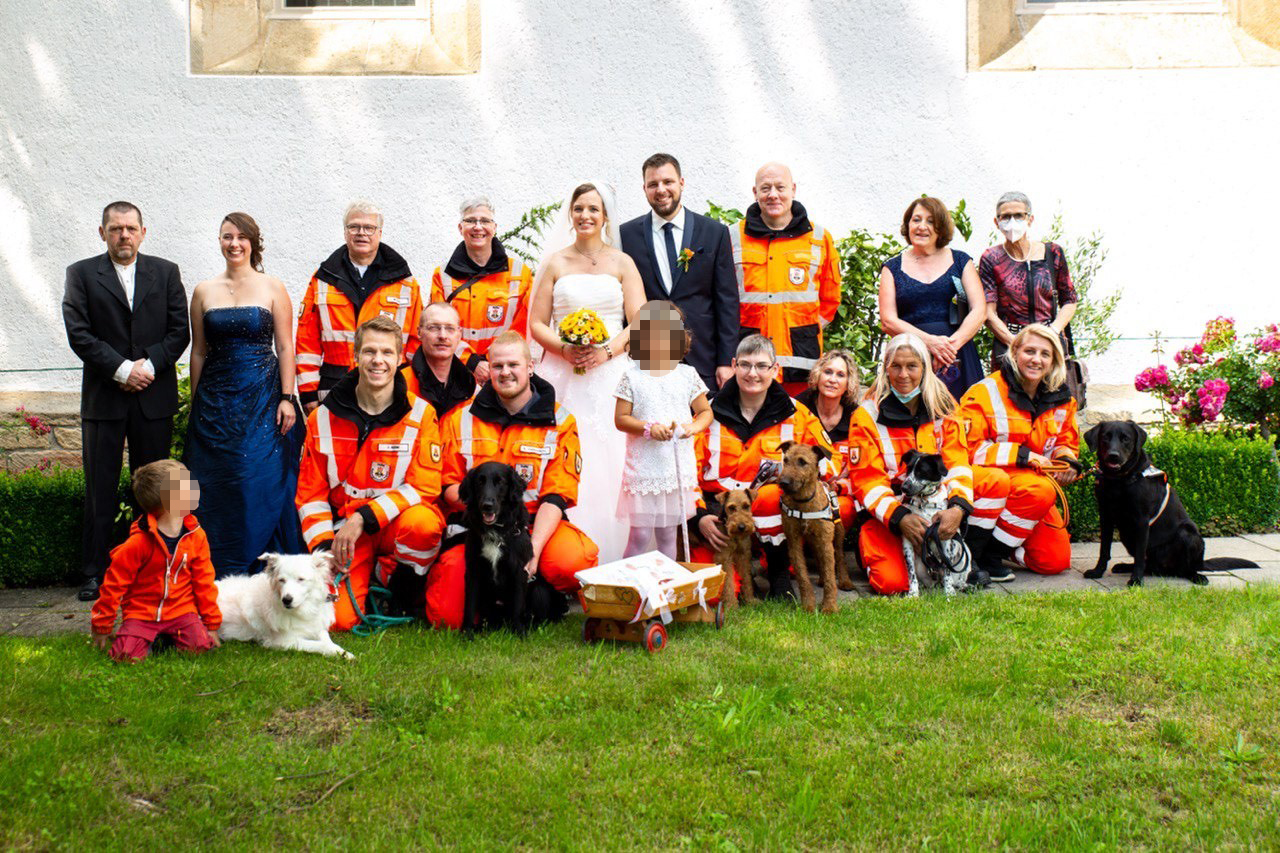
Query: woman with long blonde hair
(909, 408)
(1020, 427)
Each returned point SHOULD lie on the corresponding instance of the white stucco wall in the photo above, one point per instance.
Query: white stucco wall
(868, 100)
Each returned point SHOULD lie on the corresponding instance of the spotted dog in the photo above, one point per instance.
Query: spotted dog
(945, 563)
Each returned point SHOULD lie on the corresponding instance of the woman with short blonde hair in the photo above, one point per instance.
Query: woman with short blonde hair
(1020, 426)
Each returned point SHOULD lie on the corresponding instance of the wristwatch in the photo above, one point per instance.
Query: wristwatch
(292, 398)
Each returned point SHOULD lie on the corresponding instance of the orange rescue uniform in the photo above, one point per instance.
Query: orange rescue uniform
(1001, 426)
(333, 308)
(384, 467)
(730, 451)
(541, 444)
(788, 287)
(880, 435)
(488, 305)
(458, 388)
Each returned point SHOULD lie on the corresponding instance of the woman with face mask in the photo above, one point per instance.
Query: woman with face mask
(908, 409)
(1025, 281)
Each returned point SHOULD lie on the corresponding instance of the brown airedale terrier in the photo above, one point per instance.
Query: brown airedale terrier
(809, 516)
(739, 527)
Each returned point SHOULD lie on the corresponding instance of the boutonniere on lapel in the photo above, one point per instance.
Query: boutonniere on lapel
(683, 259)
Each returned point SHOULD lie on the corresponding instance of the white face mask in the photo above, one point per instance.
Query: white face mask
(1013, 229)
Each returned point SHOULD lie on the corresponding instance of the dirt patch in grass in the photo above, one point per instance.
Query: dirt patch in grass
(324, 723)
(1103, 707)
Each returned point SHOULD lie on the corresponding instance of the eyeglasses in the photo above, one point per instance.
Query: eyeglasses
(472, 221)
(438, 329)
(362, 229)
(756, 367)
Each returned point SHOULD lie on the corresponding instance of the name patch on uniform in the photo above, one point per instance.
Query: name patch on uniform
(393, 448)
(525, 471)
(535, 450)
(494, 313)
(797, 275)
(379, 471)
(387, 314)
(396, 300)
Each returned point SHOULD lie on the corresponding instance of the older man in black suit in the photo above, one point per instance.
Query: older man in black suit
(126, 318)
(687, 259)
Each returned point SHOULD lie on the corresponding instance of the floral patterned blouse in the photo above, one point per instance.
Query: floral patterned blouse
(1005, 283)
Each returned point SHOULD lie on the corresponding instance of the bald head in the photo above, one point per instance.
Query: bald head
(774, 191)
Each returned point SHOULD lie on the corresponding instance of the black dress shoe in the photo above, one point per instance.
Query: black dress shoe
(89, 592)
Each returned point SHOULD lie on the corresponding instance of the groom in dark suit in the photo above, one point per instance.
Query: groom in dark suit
(687, 259)
(126, 318)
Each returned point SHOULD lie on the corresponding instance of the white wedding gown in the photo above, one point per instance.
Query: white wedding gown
(589, 398)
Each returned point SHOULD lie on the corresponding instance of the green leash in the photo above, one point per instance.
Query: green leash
(374, 621)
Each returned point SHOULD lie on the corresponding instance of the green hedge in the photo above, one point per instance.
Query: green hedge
(41, 518)
(1229, 484)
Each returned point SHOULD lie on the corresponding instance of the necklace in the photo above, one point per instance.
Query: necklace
(591, 256)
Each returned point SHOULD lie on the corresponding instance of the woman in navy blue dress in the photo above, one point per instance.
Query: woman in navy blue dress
(920, 289)
(244, 436)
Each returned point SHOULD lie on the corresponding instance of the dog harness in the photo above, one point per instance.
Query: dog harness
(832, 510)
(1153, 471)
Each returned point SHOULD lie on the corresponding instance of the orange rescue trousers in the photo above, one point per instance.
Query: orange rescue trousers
(882, 551)
(412, 533)
(567, 552)
(1031, 524)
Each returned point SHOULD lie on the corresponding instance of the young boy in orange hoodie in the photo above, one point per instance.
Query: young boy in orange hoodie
(161, 576)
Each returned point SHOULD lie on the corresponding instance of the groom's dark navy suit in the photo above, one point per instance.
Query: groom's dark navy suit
(707, 293)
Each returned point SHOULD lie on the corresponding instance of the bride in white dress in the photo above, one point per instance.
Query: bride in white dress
(583, 268)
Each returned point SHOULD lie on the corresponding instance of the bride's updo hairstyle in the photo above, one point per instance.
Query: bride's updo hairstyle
(583, 189)
(248, 228)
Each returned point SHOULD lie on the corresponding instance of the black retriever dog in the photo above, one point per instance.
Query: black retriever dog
(1136, 497)
(498, 547)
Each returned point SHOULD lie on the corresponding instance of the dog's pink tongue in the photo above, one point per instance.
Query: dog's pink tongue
(490, 517)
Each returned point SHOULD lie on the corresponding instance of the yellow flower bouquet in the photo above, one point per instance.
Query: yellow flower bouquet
(583, 328)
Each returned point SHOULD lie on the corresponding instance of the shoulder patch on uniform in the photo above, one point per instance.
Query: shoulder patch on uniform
(855, 454)
(968, 426)
(379, 471)
(435, 452)
(494, 313)
(577, 463)
(797, 275)
(525, 472)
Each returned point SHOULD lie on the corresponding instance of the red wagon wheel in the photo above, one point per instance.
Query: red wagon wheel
(720, 614)
(655, 637)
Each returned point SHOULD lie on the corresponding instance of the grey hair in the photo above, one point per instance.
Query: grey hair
(362, 206)
(470, 204)
(1013, 196)
(754, 345)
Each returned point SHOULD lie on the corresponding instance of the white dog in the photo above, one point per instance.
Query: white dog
(285, 607)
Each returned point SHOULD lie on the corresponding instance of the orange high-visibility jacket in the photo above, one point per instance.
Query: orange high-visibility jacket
(376, 465)
(540, 444)
(154, 585)
(729, 451)
(1001, 425)
(788, 286)
(332, 311)
(880, 435)
(445, 396)
(488, 307)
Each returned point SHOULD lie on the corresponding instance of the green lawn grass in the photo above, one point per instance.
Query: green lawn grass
(1145, 718)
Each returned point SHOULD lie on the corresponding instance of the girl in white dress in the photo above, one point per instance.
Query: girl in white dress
(656, 397)
(583, 269)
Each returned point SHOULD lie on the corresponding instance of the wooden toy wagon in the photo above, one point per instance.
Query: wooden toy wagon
(621, 604)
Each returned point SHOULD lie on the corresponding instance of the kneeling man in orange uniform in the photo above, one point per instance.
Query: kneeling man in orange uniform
(371, 471)
(516, 420)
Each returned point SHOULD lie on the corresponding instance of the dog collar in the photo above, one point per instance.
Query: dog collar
(1153, 471)
(795, 513)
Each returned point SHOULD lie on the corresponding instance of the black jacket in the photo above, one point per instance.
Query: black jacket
(103, 331)
(707, 294)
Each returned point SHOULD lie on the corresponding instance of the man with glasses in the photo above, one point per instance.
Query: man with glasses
(435, 373)
(489, 289)
(362, 279)
(754, 416)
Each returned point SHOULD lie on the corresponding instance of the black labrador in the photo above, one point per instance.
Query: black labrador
(1136, 497)
(498, 547)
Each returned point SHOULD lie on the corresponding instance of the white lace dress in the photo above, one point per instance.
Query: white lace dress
(659, 478)
(589, 398)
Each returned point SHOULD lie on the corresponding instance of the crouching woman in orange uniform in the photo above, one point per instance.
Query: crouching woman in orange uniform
(908, 409)
(1016, 423)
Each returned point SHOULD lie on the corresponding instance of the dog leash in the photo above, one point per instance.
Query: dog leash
(1048, 469)
(374, 621)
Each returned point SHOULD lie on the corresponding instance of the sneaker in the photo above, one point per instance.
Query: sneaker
(1000, 574)
(979, 578)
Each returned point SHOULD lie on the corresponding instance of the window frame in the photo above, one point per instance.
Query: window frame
(1121, 7)
(419, 9)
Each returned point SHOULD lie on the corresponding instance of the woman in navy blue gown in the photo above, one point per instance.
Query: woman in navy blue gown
(919, 287)
(244, 436)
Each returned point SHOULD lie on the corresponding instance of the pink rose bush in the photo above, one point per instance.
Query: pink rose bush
(1223, 379)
